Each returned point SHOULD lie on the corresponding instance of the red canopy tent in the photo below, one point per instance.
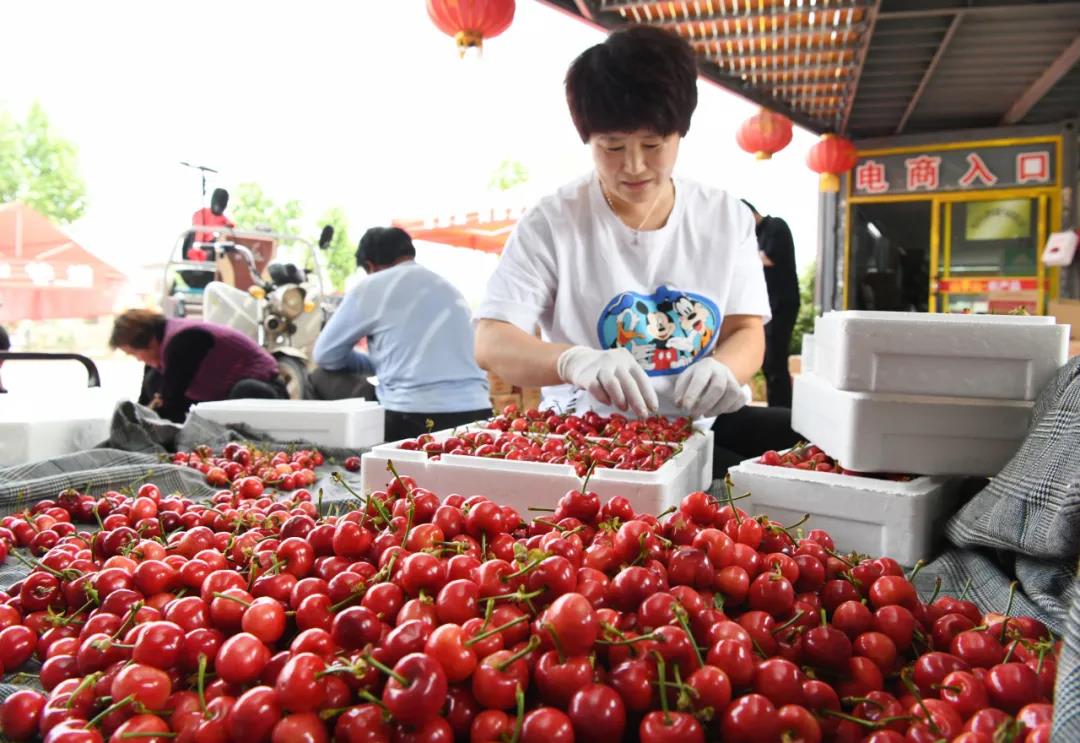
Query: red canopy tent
(44, 274)
(485, 231)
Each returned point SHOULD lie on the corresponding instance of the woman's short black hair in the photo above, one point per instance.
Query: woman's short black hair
(641, 77)
(382, 246)
(5, 341)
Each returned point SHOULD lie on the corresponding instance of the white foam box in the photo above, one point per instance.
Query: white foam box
(901, 520)
(1005, 357)
(35, 428)
(352, 423)
(878, 432)
(540, 484)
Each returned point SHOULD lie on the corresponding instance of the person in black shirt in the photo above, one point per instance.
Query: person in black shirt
(777, 250)
(5, 345)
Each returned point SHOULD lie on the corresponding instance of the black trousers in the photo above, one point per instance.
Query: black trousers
(777, 345)
(339, 385)
(275, 389)
(750, 432)
(410, 425)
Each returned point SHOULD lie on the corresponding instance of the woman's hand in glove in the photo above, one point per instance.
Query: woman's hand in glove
(613, 377)
(708, 388)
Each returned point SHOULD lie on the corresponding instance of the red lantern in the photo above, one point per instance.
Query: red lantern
(830, 157)
(471, 21)
(764, 134)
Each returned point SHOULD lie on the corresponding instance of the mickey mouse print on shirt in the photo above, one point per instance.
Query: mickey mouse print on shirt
(665, 331)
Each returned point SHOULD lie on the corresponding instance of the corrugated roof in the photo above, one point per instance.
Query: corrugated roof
(877, 67)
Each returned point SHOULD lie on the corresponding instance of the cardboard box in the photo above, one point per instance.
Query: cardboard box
(1067, 312)
(1074, 348)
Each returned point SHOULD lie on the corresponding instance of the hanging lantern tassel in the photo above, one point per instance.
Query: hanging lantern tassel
(832, 156)
(470, 22)
(764, 134)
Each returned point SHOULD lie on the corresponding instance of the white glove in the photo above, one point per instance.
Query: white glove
(613, 377)
(708, 388)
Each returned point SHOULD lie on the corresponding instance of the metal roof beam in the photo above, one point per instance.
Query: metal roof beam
(757, 35)
(930, 68)
(618, 6)
(801, 15)
(1041, 86)
(979, 10)
(860, 63)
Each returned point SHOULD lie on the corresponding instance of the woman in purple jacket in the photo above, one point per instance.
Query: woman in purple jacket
(190, 361)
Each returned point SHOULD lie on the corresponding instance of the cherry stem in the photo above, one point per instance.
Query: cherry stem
(524, 570)
(661, 672)
(516, 595)
(110, 709)
(628, 640)
(390, 466)
(731, 501)
(915, 570)
(519, 698)
(797, 524)
(202, 681)
(544, 510)
(533, 643)
(83, 685)
(387, 670)
(937, 590)
(136, 734)
(905, 679)
(1008, 609)
(495, 630)
(862, 700)
(227, 597)
(368, 696)
(967, 585)
(353, 595)
(757, 647)
(588, 476)
(788, 623)
(838, 556)
(680, 617)
(1012, 649)
(555, 641)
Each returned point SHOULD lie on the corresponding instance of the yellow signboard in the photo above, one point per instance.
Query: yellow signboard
(1006, 219)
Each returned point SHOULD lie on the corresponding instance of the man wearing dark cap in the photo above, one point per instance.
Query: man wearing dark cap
(419, 342)
(777, 250)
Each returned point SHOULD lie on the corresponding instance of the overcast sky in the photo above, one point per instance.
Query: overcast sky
(357, 103)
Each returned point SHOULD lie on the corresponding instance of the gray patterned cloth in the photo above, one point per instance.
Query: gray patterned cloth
(1025, 526)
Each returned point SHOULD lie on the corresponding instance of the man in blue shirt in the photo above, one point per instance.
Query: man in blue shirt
(419, 336)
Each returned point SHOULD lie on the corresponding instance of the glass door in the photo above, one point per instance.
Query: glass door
(986, 258)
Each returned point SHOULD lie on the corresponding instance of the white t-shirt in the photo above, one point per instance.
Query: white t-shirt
(575, 269)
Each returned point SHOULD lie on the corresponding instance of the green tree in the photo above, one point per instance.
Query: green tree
(804, 323)
(340, 257)
(252, 209)
(40, 168)
(508, 174)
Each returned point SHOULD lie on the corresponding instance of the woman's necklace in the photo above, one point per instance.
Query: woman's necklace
(637, 231)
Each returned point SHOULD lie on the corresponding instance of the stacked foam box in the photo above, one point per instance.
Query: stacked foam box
(903, 520)
(35, 428)
(924, 393)
(342, 424)
(540, 484)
